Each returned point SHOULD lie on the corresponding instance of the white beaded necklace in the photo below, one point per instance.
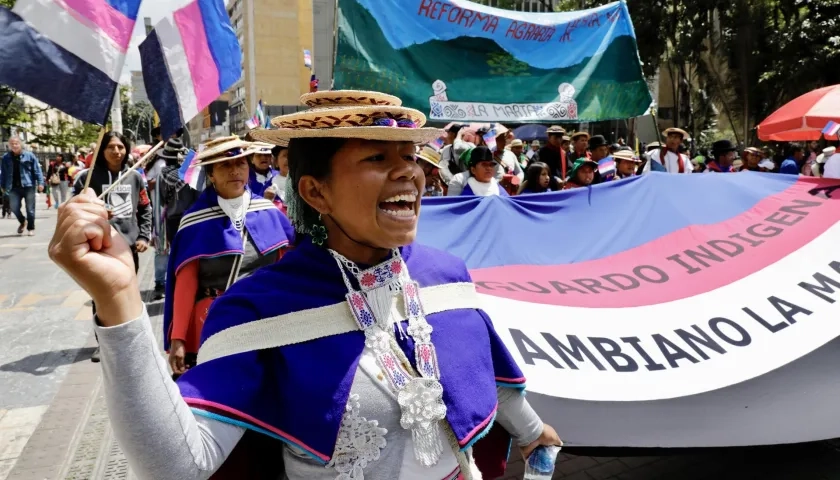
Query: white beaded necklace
(420, 398)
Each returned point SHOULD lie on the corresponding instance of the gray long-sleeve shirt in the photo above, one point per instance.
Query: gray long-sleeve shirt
(163, 439)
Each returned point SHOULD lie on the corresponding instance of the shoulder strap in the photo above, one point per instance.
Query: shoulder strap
(315, 323)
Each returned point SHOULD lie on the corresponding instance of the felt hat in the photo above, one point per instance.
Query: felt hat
(626, 155)
(596, 141)
(555, 130)
(723, 146)
(350, 114)
(517, 143)
(223, 149)
(577, 135)
(429, 155)
(671, 130)
(171, 149)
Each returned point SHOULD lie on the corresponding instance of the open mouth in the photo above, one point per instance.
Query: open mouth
(399, 205)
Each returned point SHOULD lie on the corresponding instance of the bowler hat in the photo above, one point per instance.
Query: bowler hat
(723, 146)
(555, 130)
(597, 141)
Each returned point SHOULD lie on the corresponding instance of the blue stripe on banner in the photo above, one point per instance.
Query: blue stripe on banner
(221, 38)
(34, 65)
(587, 223)
(158, 84)
(129, 8)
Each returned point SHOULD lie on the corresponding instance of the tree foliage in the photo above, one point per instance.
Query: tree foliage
(137, 117)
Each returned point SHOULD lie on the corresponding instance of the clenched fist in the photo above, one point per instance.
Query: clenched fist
(97, 257)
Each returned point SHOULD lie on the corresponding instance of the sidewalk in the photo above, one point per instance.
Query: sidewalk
(54, 423)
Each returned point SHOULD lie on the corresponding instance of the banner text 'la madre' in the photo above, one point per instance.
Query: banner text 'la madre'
(702, 340)
(444, 11)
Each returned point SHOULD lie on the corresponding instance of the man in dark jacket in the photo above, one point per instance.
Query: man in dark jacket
(553, 155)
(20, 176)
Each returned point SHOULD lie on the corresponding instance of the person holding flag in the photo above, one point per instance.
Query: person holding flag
(310, 351)
(262, 172)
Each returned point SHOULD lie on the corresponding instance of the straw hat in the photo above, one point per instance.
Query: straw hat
(260, 148)
(680, 131)
(223, 149)
(351, 114)
(517, 143)
(555, 130)
(430, 155)
(577, 135)
(626, 155)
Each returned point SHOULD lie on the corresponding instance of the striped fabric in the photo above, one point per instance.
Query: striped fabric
(67, 53)
(189, 59)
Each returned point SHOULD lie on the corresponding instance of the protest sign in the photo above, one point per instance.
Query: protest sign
(458, 60)
(643, 318)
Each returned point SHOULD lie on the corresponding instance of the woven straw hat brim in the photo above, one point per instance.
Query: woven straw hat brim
(211, 155)
(346, 116)
(618, 156)
(422, 156)
(385, 134)
(326, 98)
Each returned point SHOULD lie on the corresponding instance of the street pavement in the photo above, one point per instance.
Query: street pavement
(54, 424)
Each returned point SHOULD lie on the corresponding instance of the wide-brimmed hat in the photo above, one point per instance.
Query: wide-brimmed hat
(429, 155)
(653, 145)
(223, 149)
(826, 153)
(577, 135)
(596, 141)
(535, 143)
(351, 114)
(172, 149)
(752, 150)
(671, 130)
(723, 146)
(517, 143)
(260, 148)
(626, 155)
(555, 130)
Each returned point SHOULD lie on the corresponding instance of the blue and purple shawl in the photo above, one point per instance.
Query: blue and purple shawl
(259, 187)
(298, 393)
(206, 232)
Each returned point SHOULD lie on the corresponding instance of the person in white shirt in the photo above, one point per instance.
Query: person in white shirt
(831, 163)
(669, 157)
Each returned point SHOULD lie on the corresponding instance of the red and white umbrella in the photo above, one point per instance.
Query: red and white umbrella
(803, 118)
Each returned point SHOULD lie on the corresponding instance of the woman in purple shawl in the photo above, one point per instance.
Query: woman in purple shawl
(225, 235)
(360, 351)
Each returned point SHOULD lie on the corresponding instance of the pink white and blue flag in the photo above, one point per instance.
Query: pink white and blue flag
(307, 59)
(189, 59)
(831, 128)
(606, 167)
(67, 53)
(189, 172)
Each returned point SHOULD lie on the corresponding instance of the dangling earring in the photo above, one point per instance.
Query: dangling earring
(318, 232)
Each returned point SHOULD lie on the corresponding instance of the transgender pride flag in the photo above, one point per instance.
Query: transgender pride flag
(67, 53)
(189, 59)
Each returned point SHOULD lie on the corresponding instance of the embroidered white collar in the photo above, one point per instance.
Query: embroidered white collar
(236, 208)
(484, 189)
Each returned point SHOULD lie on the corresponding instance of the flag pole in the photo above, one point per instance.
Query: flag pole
(95, 154)
(134, 167)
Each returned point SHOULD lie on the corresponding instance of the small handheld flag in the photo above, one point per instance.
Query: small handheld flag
(188, 172)
(313, 84)
(189, 59)
(307, 59)
(831, 128)
(606, 167)
(490, 139)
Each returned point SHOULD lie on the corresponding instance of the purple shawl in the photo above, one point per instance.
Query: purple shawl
(259, 187)
(207, 232)
(297, 393)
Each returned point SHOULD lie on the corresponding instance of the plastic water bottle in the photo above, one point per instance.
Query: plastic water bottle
(540, 465)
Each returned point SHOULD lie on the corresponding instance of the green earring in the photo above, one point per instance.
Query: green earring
(318, 232)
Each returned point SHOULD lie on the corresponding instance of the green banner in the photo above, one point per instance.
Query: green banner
(457, 60)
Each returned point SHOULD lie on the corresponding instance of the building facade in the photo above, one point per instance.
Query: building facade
(273, 35)
(138, 88)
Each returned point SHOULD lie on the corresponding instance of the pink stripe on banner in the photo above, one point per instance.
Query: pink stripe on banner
(679, 265)
(104, 18)
(205, 75)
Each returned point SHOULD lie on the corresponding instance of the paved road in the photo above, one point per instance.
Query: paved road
(53, 422)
